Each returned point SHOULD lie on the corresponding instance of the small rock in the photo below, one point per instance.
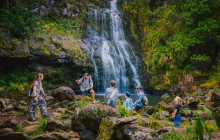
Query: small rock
(55, 114)
(19, 108)
(15, 136)
(86, 135)
(135, 132)
(71, 134)
(67, 123)
(168, 129)
(6, 130)
(61, 110)
(22, 103)
(13, 102)
(66, 116)
(9, 108)
(61, 104)
(127, 120)
(31, 128)
(166, 113)
(53, 124)
(69, 112)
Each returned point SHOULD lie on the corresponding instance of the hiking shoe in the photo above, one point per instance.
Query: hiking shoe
(45, 116)
(32, 120)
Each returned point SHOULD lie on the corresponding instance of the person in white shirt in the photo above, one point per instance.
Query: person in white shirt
(86, 86)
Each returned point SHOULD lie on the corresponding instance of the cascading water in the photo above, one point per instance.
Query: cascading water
(112, 56)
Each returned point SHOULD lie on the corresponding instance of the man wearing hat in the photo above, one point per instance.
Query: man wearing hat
(141, 99)
(86, 85)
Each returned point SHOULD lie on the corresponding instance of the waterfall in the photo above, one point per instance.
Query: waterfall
(112, 56)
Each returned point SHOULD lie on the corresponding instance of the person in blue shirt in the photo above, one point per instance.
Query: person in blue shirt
(176, 111)
(37, 99)
(128, 103)
(141, 99)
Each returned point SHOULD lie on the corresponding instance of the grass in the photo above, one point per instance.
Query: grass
(21, 112)
(19, 128)
(41, 130)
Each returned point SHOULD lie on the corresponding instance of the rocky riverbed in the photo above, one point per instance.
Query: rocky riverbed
(71, 118)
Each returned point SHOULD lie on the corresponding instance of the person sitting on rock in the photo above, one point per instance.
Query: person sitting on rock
(141, 99)
(128, 103)
(86, 86)
(176, 111)
(111, 94)
(36, 99)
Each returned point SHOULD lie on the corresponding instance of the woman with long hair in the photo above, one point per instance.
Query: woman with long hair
(37, 99)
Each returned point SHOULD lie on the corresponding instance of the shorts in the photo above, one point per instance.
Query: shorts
(86, 91)
(137, 107)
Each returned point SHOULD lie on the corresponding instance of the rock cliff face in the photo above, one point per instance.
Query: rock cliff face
(47, 50)
(46, 38)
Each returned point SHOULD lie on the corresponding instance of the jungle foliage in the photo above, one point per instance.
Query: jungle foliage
(180, 39)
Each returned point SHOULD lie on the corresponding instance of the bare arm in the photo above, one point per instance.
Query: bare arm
(174, 113)
(42, 90)
(34, 90)
(35, 95)
(105, 96)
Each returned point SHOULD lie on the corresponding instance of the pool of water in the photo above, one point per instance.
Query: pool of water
(152, 99)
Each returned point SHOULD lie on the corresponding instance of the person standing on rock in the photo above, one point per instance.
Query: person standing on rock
(86, 85)
(176, 111)
(111, 94)
(37, 99)
(142, 99)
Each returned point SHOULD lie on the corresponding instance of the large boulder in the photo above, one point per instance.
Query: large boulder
(109, 126)
(49, 100)
(165, 106)
(135, 132)
(53, 124)
(146, 110)
(2, 104)
(10, 123)
(6, 130)
(75, 122)
(50, 136)
(213, 98)
(91, 115)
(63, 93)
(14, 136)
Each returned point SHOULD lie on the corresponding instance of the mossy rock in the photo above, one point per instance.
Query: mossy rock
(107, 128)
(91, 115)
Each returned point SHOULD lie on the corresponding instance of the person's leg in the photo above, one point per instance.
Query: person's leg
(82, 94)
(93, 95)
(43, 106)
(177, 120)
(32, 110)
